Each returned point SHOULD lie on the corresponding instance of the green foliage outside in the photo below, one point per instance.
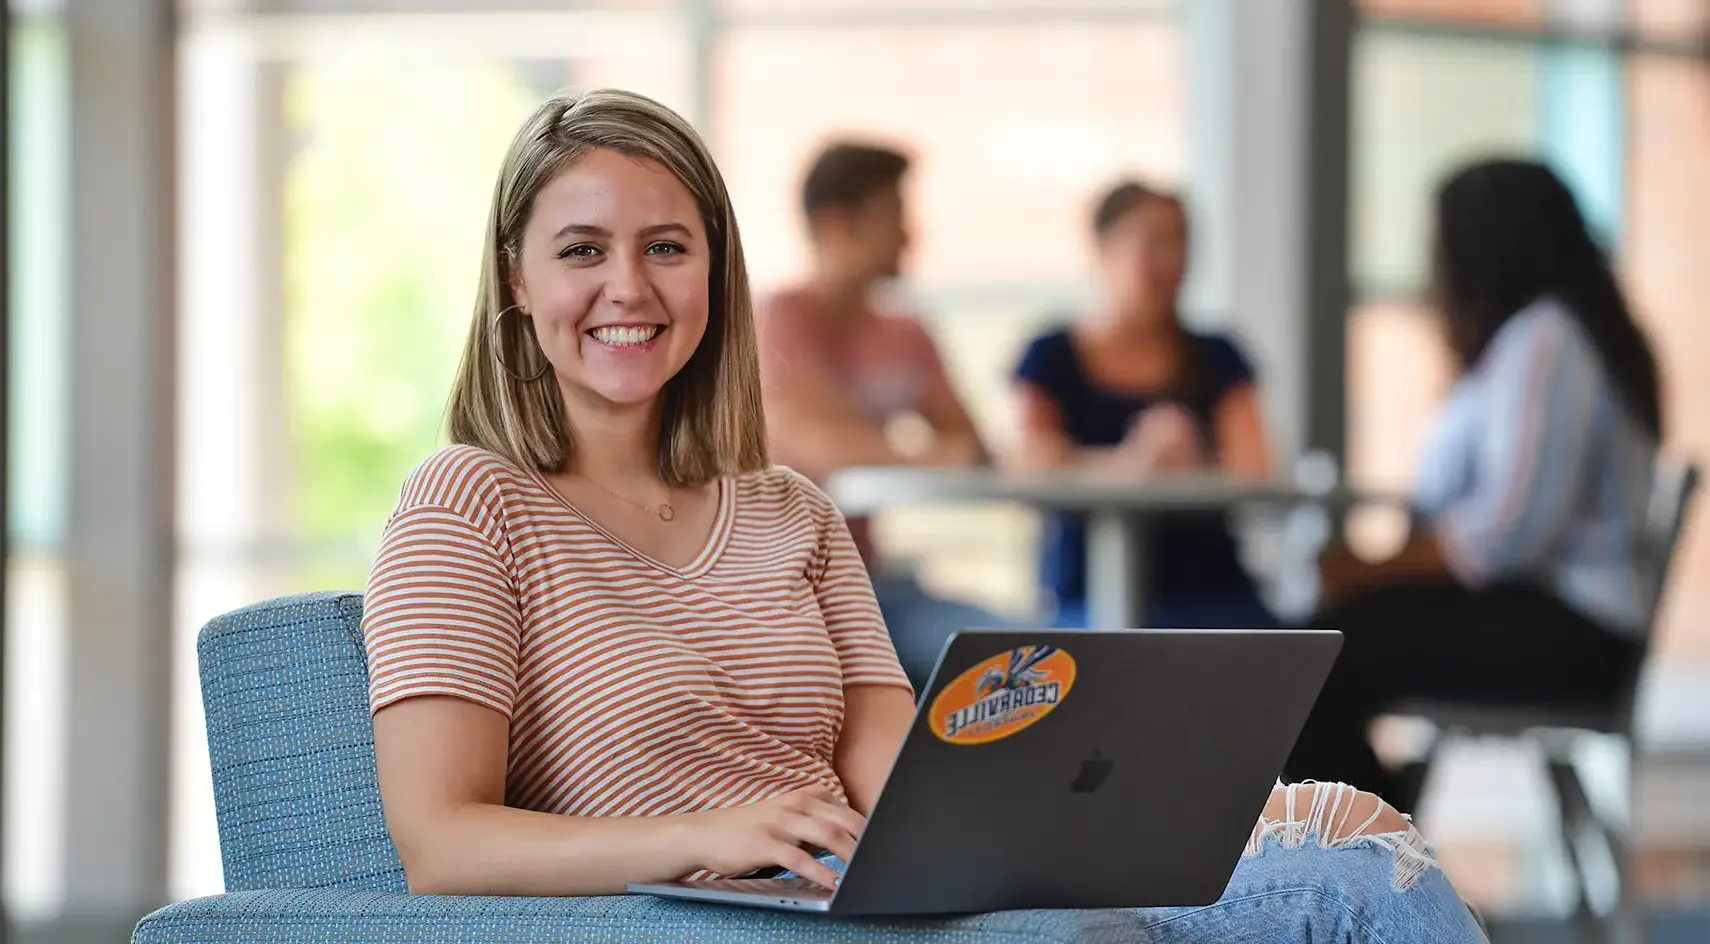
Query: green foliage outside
(385, 205)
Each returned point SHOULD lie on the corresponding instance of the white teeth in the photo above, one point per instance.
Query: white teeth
(625, 335)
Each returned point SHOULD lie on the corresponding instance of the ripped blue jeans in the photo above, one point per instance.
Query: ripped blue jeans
(1316, 871)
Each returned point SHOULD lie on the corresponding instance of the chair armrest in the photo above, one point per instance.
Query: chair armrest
(323, 916)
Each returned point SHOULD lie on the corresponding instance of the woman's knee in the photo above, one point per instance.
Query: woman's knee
(1334, 816)
(1355, 860)
(1339, 812)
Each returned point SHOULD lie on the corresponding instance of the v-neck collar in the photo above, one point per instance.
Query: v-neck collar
(723, 524)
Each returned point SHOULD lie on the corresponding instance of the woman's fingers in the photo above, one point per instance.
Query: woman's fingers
(822, 834)
(797, 860)
(838, 812)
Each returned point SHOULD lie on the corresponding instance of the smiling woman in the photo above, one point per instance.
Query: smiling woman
(604, 227)
(607, 643)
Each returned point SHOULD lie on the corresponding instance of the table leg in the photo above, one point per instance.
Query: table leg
(1117, 550)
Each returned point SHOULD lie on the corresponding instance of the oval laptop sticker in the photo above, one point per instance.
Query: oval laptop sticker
(1002, 695)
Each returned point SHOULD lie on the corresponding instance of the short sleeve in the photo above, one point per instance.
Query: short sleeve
(1226, 364)
(1047, 363)
(846, 600)
(440, 615)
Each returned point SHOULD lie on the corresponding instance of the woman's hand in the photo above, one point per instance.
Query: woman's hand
(779, 832)
(1340, 572)
(1164, 438)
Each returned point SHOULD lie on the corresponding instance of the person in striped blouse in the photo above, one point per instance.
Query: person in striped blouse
(609, 642)
(1524, 582)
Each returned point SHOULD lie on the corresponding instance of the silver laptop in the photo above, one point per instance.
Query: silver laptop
(1071, 769)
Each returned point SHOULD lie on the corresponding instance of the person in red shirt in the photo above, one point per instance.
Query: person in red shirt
(838, 364)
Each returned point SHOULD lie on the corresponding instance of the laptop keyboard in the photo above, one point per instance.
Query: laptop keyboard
(786, 887)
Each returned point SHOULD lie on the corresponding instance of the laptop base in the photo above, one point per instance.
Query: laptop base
(783, 894)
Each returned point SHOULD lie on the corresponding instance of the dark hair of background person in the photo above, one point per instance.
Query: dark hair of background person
(1509, 232)
(847, 173)
(1126, 195)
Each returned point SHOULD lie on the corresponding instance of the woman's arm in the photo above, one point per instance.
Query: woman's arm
(1341, 572)
(441, 762)
(955, 440)
(878, 703)
(1243, 448)
(875, 722)
(1541, 397)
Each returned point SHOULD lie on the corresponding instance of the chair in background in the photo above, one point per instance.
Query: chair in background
(307, 856)
(1560, 730)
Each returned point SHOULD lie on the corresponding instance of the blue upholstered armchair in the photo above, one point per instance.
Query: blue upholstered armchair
(307, 857)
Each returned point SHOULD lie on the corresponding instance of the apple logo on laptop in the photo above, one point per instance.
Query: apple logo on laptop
(1094, 770)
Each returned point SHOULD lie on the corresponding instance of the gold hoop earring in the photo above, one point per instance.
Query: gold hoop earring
(499, 348)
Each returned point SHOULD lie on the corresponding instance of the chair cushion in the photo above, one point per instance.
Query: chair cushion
(285, 691)
(322, 916)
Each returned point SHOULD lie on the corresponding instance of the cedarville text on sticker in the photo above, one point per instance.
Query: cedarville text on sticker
(1002, 695)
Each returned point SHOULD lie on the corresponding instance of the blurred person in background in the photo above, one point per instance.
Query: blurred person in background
(1132, 392)
(610, 642)
(1521, 581)
(839, 365)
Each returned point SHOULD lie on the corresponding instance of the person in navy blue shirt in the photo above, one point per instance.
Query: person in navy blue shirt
(1130, 390)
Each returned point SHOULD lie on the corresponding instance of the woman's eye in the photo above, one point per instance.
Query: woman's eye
(665, 249)
(579, 251)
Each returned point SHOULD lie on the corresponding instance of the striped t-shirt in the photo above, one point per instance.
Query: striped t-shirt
(632, 688)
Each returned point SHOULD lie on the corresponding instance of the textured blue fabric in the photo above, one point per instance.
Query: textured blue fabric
(285, 691)
(314, 917)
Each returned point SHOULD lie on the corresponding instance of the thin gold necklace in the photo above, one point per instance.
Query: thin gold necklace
(663, 509)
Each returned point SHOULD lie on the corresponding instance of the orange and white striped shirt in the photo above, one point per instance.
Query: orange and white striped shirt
(632, 688)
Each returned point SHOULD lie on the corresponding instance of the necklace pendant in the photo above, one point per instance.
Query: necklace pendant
(666, 512)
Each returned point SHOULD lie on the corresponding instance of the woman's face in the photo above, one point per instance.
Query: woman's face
(1142, 258)
(614, 269)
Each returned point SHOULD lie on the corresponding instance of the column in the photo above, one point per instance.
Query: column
(234, 466)
(5, 408)
(119, 549)
(1267, 185)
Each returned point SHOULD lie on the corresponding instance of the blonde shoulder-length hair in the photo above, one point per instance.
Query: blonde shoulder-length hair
(506, 398)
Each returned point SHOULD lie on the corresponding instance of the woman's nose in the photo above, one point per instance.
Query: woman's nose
(627, 283)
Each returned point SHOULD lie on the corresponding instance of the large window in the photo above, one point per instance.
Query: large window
(1666, 259)
(385, 197)
(36, 515)
(1620, 105)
